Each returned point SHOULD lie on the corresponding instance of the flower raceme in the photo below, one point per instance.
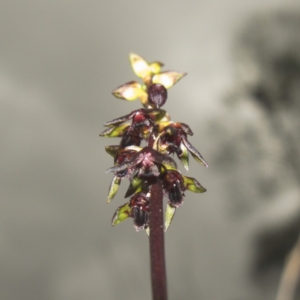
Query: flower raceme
(144, 166)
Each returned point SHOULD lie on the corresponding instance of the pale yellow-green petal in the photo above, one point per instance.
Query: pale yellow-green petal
(184, 157)
(139, 65)
(170, 212)
(168, 78)
(116, 131)
(113, 188)
(121, 214)
(129, 91)
(155, 67)
(113, 150)
(135, 186)
(193, 185)
(144, 99)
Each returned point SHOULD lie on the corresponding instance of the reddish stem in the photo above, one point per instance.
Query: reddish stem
(157, 245)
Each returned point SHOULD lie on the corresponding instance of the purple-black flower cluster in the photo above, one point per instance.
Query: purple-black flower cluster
(145, 165)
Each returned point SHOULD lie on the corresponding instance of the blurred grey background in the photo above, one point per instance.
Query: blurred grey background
(59, 61)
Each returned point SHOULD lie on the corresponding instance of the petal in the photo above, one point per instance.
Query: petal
(113, 150)
(168, 78)
(121, 214)
(170, 212)
(168, 162)
(139, 65)
(113, 188)
(155, 67)
(129, 91)
(193, 185)
(115, 131)
(184, 157)
(135, 148)
(134, 187)
(186, 128)
(136, 159)
(120, 120)
(195, 153)
(144, 99)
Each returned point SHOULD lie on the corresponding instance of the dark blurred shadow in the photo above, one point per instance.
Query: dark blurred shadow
(267, 60)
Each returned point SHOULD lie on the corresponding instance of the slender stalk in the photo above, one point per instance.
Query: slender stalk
(157, 244)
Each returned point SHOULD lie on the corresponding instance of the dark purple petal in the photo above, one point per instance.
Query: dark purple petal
(195, 153)
(136, 159)
(120, 120)
(186, 129)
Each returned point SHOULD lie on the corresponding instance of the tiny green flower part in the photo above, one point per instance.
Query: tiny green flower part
(121, 214)
(148, 137)
(170, 212)
(155, 67)
(113, 188)
(193, 185)
(116, 131)
(136, 185)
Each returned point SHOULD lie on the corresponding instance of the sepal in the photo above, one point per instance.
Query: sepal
(121, 214)
(116, 131)
(115, 150)
(193, 185)
(195, 153)
(155, 67)
(169, 214)
(136, 185)
(168, 78)
(139, 65)
(130, 91)
(184, 157)
(113, 188)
